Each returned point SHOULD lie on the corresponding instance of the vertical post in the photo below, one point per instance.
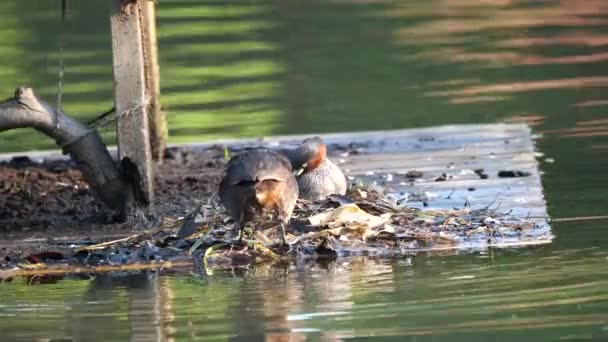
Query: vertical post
(130, 98)
(158, 123)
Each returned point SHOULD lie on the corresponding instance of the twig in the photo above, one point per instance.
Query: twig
(580, 218)
(130, 237)
(94, 123)
(106, 268)
(108, 243)
(450, 195)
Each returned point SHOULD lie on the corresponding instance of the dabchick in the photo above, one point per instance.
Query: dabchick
(259, 182)
(317, 176)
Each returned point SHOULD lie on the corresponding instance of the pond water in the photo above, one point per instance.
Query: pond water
(276, 67)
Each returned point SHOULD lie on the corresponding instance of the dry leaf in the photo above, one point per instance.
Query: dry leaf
(347, 215)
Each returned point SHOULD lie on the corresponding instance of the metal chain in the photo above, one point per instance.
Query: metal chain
(61, 64)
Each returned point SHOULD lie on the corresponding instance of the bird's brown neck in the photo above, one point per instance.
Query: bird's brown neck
(315, 161)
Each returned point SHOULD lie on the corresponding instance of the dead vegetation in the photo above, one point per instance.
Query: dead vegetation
(364, 222)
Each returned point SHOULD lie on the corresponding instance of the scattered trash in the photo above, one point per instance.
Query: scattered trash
(413, 174)
(481, 173)
(465, 172)
(444, 177)
(511, 174)
(426, 139)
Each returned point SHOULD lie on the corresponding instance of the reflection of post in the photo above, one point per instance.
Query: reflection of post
(264, 305)
(130, 97)
(165, 297)
(147, 304)
(93, 310)
(334, 294)
(147, 309)
(158, 124)
(280, 296)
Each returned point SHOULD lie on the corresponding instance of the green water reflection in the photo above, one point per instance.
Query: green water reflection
(534, 295)
(247, 68)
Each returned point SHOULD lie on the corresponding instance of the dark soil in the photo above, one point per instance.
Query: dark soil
(51, 200)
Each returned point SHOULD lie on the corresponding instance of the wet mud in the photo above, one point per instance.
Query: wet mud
(50, 199)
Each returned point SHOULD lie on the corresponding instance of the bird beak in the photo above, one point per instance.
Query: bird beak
(301, 170)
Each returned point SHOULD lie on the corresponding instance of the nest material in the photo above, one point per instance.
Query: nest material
(366, 221)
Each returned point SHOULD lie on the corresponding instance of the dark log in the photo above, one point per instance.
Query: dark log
(82, 143)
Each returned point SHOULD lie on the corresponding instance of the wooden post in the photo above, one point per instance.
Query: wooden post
(130, 98)
(158, 123)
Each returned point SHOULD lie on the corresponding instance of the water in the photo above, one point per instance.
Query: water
(275, 67)
(536, 295)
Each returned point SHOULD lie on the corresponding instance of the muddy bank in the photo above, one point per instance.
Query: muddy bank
(51, 199)
(365, 221)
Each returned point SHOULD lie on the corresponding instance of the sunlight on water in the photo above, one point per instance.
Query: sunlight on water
(258, 67)
(501, 295)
